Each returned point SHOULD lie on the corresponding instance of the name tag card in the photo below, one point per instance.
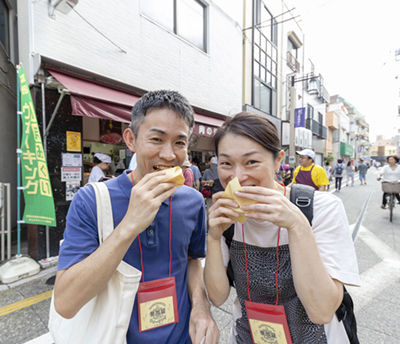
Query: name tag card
(268, 323)
(157, 304)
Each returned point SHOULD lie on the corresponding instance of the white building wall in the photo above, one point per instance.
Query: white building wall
(155, 57)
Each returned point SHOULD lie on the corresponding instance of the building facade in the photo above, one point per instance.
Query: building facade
(8, 100)
(89, 64)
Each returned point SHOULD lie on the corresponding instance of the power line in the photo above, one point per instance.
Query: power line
(279, 15)
(95, 28)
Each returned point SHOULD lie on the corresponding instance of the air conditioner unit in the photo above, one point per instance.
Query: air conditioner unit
(64, 6)
(299, 137)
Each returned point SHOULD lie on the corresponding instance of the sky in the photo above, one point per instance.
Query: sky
(352, 44)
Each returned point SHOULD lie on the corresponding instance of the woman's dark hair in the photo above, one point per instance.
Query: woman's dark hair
(210, 157)
(349, 163)
(395, 157)
(339, 161)
(327, 163)
(96, 160)
(162, 99)
(255, 127)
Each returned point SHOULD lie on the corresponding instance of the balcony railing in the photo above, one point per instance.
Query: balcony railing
(316, 128)
(313, 126)
(292, 62)
(323, 132)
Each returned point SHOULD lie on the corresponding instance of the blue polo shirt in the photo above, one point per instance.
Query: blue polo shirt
(188, 239)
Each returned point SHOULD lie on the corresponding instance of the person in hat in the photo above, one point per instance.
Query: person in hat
(308, 173)
(187, 173)
(102, 163)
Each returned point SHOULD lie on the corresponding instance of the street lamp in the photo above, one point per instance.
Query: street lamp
(313, 88)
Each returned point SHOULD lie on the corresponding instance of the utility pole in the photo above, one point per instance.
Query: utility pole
(292, 145)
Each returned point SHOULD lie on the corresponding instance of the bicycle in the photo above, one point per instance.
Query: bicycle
(391, 188)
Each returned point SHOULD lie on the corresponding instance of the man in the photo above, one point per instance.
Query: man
(196, 172)
(161, 125)
(362, 168)
(308, 173)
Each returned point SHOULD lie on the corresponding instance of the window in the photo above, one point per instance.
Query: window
(292, 48)
(310, 111)
(320, 118)
(4, 27)
(265, 64)
(186, 18)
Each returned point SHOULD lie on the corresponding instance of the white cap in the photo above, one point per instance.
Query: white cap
(103, 157)
(307, 152)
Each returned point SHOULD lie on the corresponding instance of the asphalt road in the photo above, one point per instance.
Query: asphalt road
(377, 302)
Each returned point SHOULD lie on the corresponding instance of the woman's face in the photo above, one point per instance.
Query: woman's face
(242, 157)
(392, 161)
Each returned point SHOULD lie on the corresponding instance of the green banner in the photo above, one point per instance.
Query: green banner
(39, 203)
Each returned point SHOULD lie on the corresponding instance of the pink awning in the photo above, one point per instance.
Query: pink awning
(92, 99)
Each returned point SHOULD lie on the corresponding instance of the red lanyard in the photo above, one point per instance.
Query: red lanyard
(277, 262)
(170, 251)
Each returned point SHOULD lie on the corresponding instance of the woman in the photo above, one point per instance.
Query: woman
(310, 283)
(102, 163)
(328, 170)
(350, 173)
(207, 182)
(187, 173)
(390, 173)
(286, 175)
(338, 173)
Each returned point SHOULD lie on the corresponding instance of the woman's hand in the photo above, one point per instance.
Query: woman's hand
(271, 206)
(218, 219)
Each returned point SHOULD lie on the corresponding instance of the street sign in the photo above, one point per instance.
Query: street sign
(300, 118)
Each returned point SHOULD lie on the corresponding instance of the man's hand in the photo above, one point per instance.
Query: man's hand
(202, 326)
(146, 198)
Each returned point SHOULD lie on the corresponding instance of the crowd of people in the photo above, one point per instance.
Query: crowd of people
(288, 269)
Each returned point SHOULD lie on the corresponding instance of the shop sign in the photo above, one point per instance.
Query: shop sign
(72, 188)
(71, 160)
(73, 141)
(300, 117)
(71, 173)
(204, 130)
(346, 149)
(38, 195)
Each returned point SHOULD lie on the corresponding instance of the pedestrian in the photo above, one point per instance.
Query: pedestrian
(169, 221)
(207, 182)
(362, 169)
(286, 175)
(338, 172)
(118, 164)
(350, 173)
(314, 261)
(196, 172)
(187, 173)
(390, 173)
(102, 164)
(308, 173)
(328, 170)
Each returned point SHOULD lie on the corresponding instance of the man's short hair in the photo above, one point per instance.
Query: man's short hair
(162, 99)
(196, 161)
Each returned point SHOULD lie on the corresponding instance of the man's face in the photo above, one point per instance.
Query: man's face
(161, 142)
(305, 160)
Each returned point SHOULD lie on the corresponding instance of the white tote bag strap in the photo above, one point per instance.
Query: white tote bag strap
(105, 221)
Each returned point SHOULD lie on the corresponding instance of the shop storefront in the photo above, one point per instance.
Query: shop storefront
(90, 118)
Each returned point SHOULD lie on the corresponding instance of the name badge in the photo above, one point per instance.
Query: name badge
(268, 324)
(157, 304)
